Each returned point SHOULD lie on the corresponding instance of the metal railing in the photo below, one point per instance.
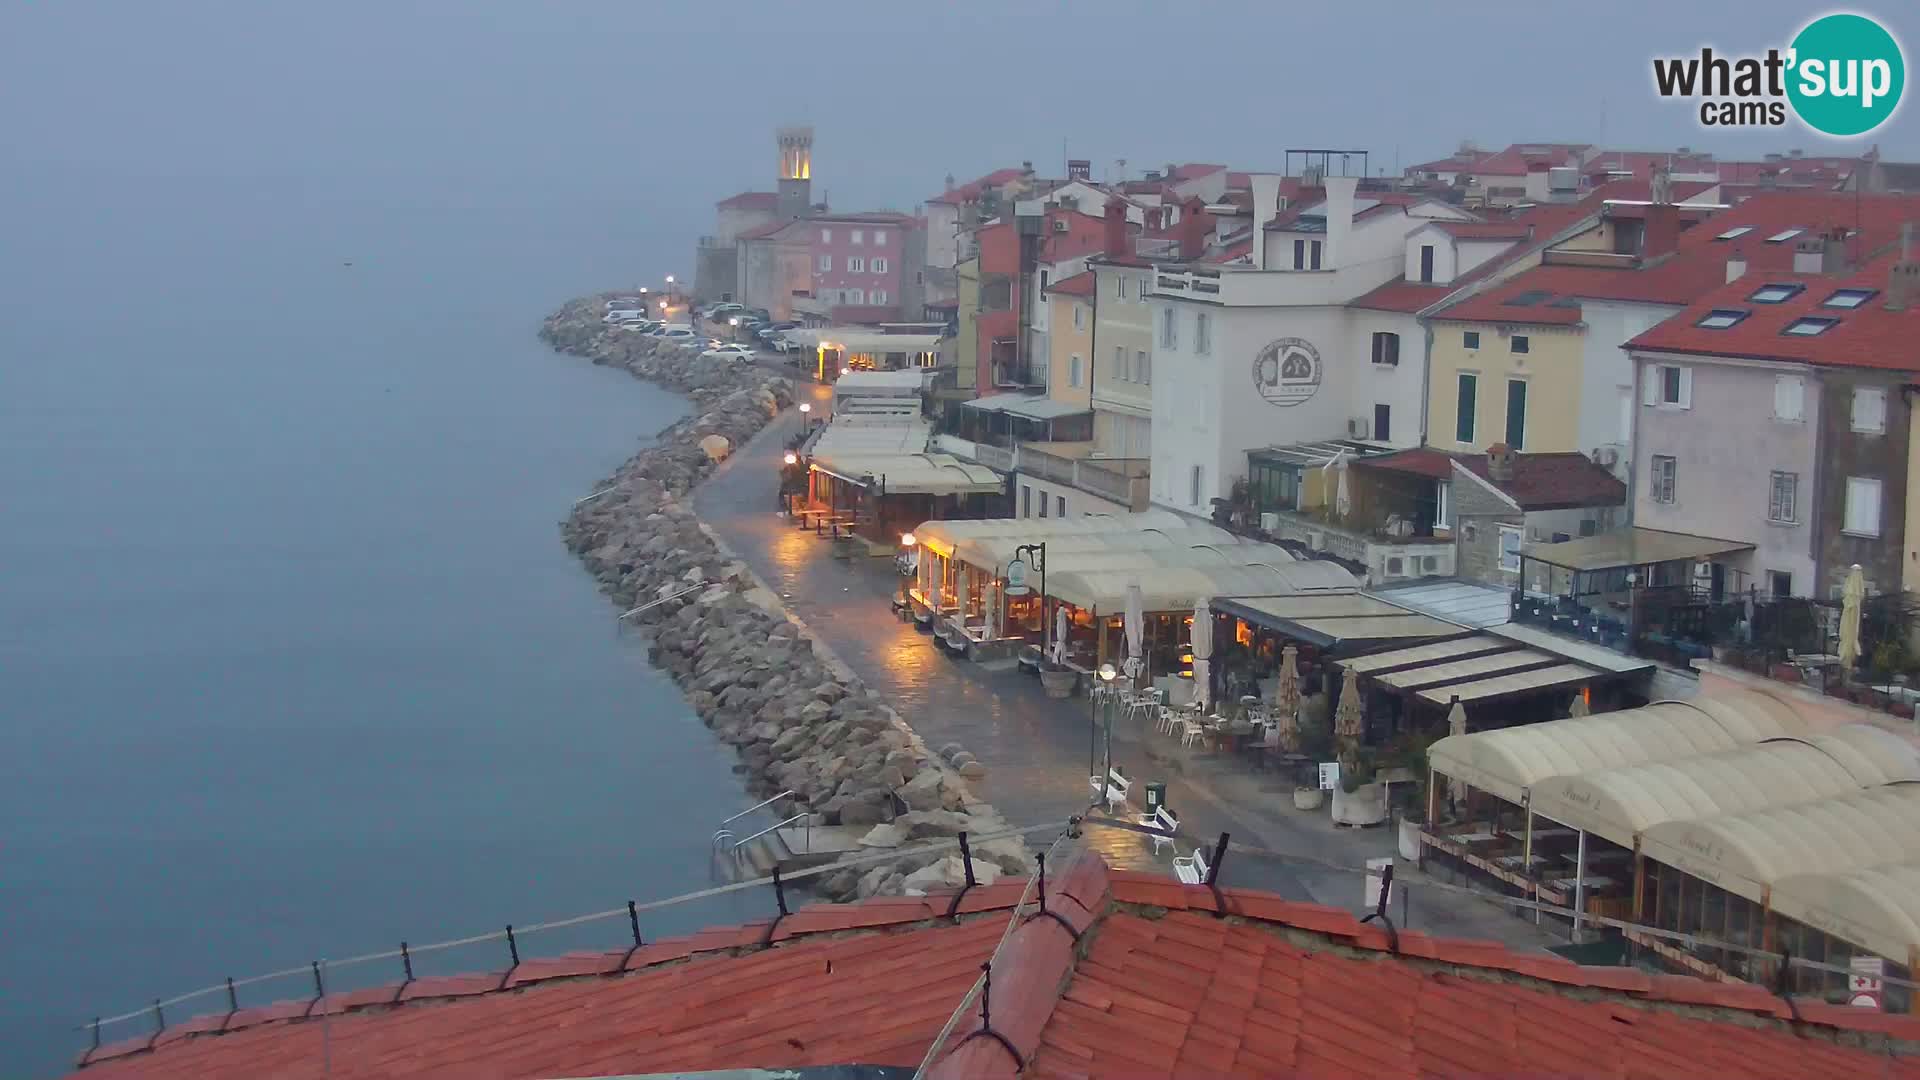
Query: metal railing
(649, 605)
(739, 847)
(724, 836)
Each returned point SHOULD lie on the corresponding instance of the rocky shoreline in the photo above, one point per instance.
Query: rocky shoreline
(798, 718)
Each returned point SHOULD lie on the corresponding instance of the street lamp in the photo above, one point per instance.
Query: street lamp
(792, 458)
(1034, 555)
(906, 565)
(733, 334)
(1106, 675)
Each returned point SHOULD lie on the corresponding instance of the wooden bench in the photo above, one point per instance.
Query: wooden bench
(1111, 788)
(1191, 869)
(1166, 822)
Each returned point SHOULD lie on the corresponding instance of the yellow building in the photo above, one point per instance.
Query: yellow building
(1070, 339)
(1497, 379)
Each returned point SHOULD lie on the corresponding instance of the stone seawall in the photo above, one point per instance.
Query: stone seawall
(751, 671)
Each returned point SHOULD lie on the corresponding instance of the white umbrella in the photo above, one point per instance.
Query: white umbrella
(1348, 719)
(1136, 627)
(1343, 499)
(1457, 719)
(1579, 707)
(1852, 596)
(1060, 634)
(993, 612)
(1286, 699)
(1203, 654)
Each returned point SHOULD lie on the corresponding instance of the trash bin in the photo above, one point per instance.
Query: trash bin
(1156, 796)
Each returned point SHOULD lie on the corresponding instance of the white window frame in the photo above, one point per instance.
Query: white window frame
(1194, 480)
(1120, 363)
(1145, 292)
(1510, 553)
(1143, 360)
(825, 264)
(1169, 328)
(1074, 367)
(1443, 504)
(1870, 410)
(1079, 316)
(826, 236)
(878, 264)
(879, 238)
(1202, 334)
(1863, 494)
(857, 238)
(856, 265)
(855, 297)
(1790, 398)
(1119, 286)
(877, 296)
(1783, 497)
(1663, 489)
(1653, 391)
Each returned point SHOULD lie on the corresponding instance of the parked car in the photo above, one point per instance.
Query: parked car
(677, 331)
(737, 353)
(626, 302)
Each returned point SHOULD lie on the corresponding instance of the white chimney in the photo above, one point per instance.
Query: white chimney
(1266, 207)
(1736, 267)
(1339, 208)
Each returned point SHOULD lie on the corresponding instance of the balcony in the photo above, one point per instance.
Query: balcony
(1120, 480)
(1385, 557)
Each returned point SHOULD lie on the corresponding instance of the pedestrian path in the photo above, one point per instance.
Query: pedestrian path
(1038, 750)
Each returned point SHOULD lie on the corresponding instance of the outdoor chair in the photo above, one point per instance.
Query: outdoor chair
(1192, 730)
(1191, 869)
(1164, 821)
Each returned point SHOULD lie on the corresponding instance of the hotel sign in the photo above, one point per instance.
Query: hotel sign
(1287, 372)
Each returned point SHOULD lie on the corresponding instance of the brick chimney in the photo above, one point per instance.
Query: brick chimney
(1903, 280)
(1194, 225)
(1809, 254)
(1500, 463)
(1834, 258)
(1116, 243)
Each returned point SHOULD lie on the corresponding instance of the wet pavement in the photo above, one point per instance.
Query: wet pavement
(1038, 750)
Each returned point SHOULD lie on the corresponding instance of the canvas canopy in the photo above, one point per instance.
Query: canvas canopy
(1177, 588)
(1876, 908)
(941, 537)
(1329, 620)
(912, 474)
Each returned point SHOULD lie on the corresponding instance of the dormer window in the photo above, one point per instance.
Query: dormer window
(1809, 326)
(1848, 298)
(1776, 293)
(1784, 235)
(1720, 318)
(1735, 233)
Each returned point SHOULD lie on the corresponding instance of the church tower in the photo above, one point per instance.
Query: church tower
(796, 172)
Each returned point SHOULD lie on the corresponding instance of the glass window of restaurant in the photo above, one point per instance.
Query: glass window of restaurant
(1273, 486)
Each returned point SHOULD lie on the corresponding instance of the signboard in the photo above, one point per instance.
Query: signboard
(1329, 775)
(1017, 578)
(1863, 985)
(1287, 372)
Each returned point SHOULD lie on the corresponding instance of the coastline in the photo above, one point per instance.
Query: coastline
(798, 719)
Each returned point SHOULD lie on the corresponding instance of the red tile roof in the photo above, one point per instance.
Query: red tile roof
(1136, 975)
(1402, 295)
(1080, 284)
(750, 200)
(1195, 170)
(1867, 336)
(759, 232)
(972, 190)
(1555, 481)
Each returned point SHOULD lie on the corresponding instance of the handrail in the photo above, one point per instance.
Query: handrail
(808, 814)
(695, 587)
(756, 806)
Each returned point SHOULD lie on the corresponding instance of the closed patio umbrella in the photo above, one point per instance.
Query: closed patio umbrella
(1203, 654)
(1457, 719)
(1348, 720)
(1579, 707)
(1286, 700)
(1852, 597)
(1060, 624)
(1136, 620)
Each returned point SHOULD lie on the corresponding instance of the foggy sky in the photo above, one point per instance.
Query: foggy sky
(659, 109)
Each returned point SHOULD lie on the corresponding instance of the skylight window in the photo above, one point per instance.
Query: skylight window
(1528, 298)
(1776, 293)
(1720, 318)
(1735, 233)
(1809, 326)
(1848, 298)
(1784, 235)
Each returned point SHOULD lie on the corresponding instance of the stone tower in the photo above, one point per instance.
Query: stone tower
(796, 172)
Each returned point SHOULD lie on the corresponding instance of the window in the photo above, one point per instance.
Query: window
(1809, 326)
(826, 236)
(1849, 298)
(1863, 507)
(1516, 414)
(1043, 504)
(1470, 339)
(1510, 549)
(826, 263)
(1079, 317)
(1169, 329)
(1665, 472)
(1299, 254)
(1120, 365)
(1443, 505)
(1463, 409)
(1026, 501)
(1146, 286)
(1784, 235)
(1668, 385)
(1735, 233)
(856, 297)
(877, 296)
(1386, 349)
(1783, 496)
(1426, 262)
(1193, 486)
(878, 264)
(1143, 366)
(1382, 423)
(879, 238)
(1119, 287)
(1073, 371)
(1780, 583)
(1060, 506)
(1776, 293)
(1519, 343)
(857, 238)
(1870, 410)
(1313, 260)
(1202, 334)
(856, 265)
(1720, 318)
(1789, 398)
(1045, 277)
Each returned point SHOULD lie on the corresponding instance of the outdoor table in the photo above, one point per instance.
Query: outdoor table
(1513, 862)
(1598, 858)
(1471, 837)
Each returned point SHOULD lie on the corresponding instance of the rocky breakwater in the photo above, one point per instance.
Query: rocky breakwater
(798, 718)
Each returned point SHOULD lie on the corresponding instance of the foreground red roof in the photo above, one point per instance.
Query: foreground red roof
(1403, 295)
(1129, 975)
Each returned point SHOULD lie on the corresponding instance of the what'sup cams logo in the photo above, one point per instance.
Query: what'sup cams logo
(1842, 75)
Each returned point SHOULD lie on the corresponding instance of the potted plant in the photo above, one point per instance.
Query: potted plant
(1057, 680)
(1312, 739)
(1410, 753)
(1359, 800)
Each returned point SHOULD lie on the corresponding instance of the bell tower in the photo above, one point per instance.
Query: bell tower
(796, 172)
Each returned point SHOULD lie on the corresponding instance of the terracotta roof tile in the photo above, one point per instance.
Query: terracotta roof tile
(750, 200)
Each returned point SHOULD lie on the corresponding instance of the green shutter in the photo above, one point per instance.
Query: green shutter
(1516, 414)
(1463, 423)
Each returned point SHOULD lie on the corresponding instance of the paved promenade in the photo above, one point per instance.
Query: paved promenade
(1037, 749)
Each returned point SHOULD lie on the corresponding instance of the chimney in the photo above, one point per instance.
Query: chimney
(1500, 463)
(1339, 207)
(1193, 228)
(1116, 225)
(1833, 251)
(1079, 169)
(1736, 265)
(1903, 281)
(1155, 215)
(1808, 255)
(1266, 204)
(1660, 234)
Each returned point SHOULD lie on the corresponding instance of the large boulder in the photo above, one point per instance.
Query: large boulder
(923, 792)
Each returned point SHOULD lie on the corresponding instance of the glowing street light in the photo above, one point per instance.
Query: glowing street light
(792, 458)
(907, 540)
(806, 406)
(669, 279)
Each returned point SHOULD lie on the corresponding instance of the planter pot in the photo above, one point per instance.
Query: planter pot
(1366, 806)
(1308, 798)
(1059, 684)
(1410, 840)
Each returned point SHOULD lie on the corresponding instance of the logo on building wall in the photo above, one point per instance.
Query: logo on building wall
(1287, 372)
(1841, 75)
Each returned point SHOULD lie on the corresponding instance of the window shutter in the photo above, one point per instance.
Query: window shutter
(1650, 385)
(1686, 388)
(1789, 395)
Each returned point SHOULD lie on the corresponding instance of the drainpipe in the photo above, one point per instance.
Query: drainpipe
(1426, 378)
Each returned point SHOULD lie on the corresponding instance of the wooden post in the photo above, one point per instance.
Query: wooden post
(1639, 876)
(1433, 802)
(1526, 853)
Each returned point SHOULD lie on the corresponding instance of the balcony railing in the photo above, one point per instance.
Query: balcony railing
(1386, 558)
(993, 457)
(1121, 480)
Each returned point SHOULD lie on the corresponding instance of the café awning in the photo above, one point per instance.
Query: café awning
(1180, 588)
(1329, 620)
(1877, 908)
(911, 474)
(1529, 681)
(1028, 406)
(1630, 547)
(942, 537)
(1509, 761)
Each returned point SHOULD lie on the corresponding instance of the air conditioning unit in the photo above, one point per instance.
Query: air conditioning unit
(1359, 428)
(1606, 456)
(1059, 224)
(1270, 521)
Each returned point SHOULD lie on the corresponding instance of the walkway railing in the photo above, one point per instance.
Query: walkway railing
(723, 837)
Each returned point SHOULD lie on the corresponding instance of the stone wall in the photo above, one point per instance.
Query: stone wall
(1478, 514)
(798, 719)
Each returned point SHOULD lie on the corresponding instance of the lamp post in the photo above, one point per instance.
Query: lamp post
(733, 331)
(906, 564)
(1095, 729)
(1034, 555)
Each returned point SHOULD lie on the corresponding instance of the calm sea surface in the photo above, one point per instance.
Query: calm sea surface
(293, 664)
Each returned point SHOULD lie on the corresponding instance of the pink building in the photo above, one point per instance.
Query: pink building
(859, 260)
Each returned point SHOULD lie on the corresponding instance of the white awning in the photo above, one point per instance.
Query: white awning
(941, 537)
(1328, 620)
(1877, 909)
(1509, 761)
(1532, 680)
(1180, 588)
(911, 474)
(992, 552)
(1029, 406)
(847, 436)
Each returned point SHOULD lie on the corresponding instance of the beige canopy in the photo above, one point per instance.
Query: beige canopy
(912, 474)
(1620, 803)
(1063, 552)
(1178, 588)
(941, 537)
(1509, 761)
(1877, 908)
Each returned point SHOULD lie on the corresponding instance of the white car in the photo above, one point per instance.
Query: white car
(737, 353)
(675, 333)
